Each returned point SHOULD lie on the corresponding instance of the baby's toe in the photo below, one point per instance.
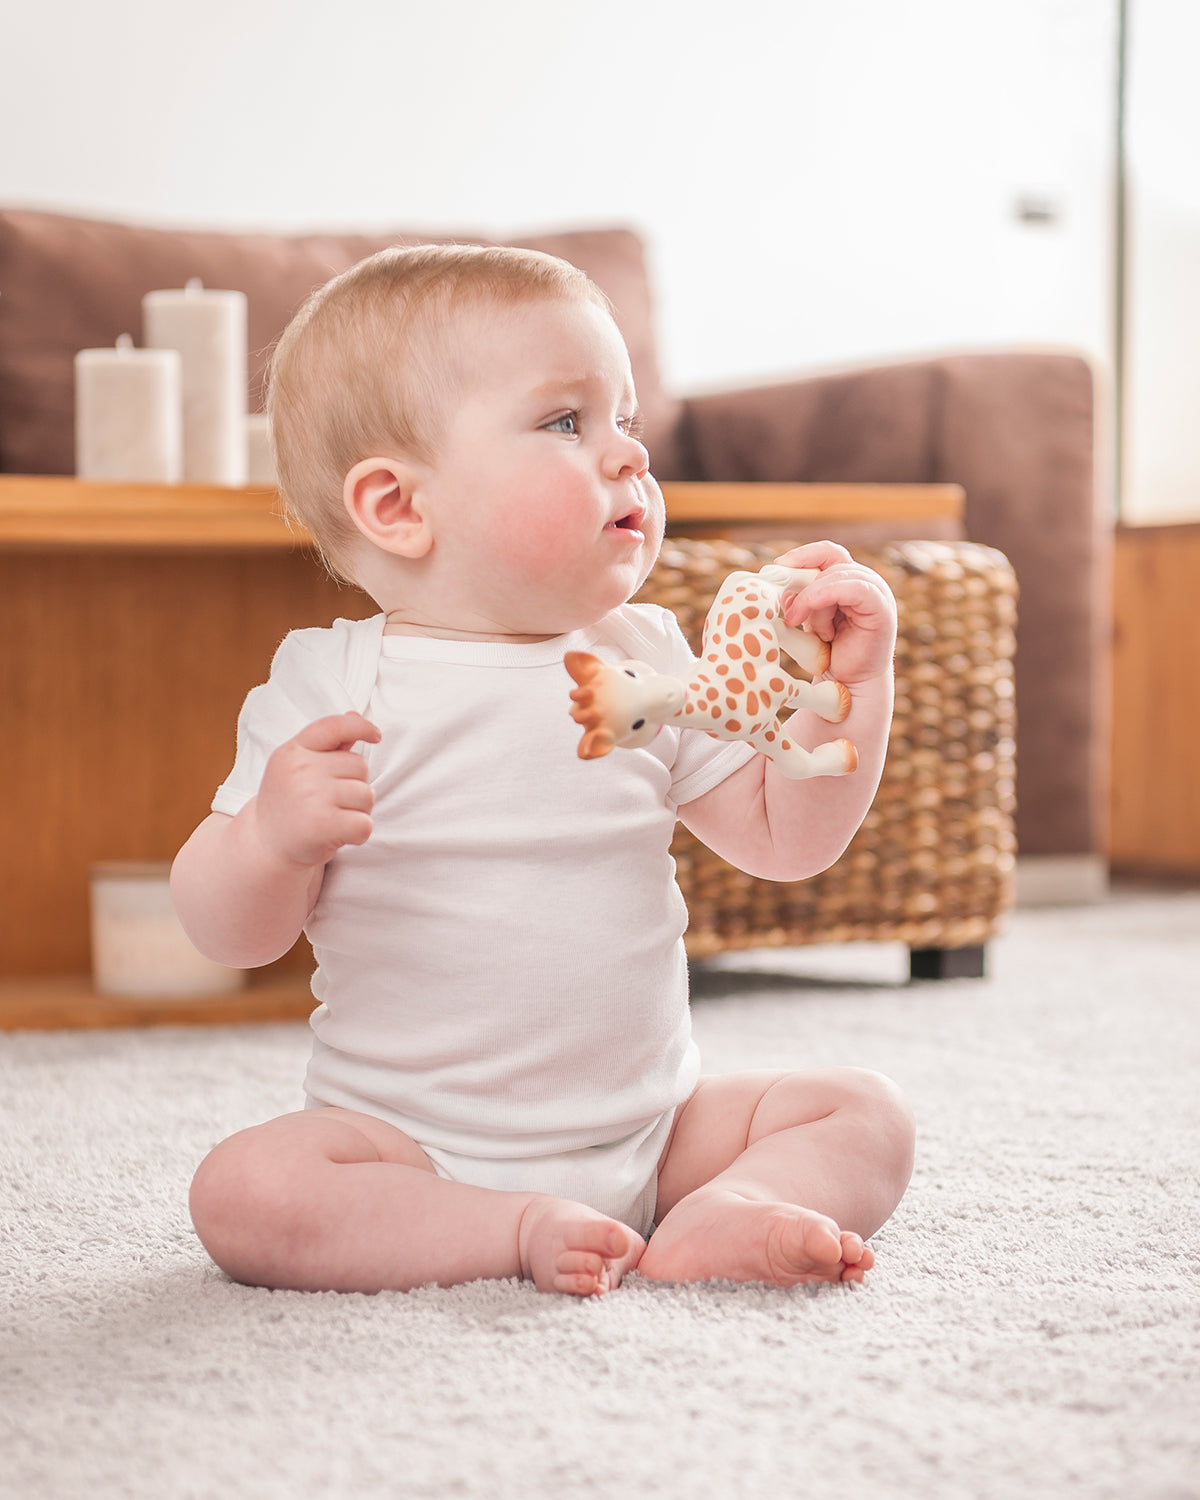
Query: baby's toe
(579, 1263)
(579, 1283)
(611, 1240)
(853, 1248)
(822, 1242)
(856, 1257)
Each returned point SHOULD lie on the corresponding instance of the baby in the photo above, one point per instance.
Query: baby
(503, 1080)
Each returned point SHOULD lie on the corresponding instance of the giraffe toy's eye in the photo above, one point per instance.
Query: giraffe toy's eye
(629, 672)
(637, 724)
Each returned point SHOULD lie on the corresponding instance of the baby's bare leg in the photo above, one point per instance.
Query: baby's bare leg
(780, 1177)
(331, 1200)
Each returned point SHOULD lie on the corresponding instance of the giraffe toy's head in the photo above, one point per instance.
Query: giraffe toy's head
(623, 704)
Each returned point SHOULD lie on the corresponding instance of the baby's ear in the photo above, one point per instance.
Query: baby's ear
(380, 496)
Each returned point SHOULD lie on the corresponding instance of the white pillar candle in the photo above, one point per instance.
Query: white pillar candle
(260, 461)
(209, 330)
(128, 422)
(139, 946)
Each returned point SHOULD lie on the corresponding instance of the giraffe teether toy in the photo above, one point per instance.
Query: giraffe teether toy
(736, 692)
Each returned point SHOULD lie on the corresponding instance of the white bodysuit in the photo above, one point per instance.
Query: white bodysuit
(501, 971)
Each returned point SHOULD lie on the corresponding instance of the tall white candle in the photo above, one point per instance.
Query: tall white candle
(209, 330)
(128, 422)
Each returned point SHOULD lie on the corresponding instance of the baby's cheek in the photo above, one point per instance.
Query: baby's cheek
(530, 543)
(503, 534)
(546, 548)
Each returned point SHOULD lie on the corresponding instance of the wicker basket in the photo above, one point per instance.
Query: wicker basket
(932, 865)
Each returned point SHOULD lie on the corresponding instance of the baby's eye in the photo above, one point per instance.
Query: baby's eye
(633, 426)
(568, 423)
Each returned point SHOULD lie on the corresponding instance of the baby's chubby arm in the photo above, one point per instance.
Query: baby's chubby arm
(783, 829)
(244, 886)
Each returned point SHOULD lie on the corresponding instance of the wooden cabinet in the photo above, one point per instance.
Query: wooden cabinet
(133, 620)
(1156, 701)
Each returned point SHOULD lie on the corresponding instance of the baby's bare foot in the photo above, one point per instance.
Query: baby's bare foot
(718, 1234)
(568, 1247)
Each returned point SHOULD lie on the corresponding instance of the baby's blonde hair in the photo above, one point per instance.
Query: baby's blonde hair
(368, 366)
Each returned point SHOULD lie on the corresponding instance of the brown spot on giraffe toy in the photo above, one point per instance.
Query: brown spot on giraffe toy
(737, 691)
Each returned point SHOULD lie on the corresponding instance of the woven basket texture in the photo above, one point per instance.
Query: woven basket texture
(932, 865)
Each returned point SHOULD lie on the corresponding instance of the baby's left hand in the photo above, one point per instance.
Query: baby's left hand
(848, 605)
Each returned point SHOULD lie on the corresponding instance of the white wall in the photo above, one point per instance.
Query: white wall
(1162, 405)
(820, 183)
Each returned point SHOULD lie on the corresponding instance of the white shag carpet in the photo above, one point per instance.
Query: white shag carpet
(1031, 1328)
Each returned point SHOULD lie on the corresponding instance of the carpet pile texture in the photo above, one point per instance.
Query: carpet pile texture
(1031, 1328)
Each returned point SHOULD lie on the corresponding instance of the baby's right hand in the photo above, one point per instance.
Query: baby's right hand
(315, 796)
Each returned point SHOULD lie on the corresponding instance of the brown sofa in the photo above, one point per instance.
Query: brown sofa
(1015, 429)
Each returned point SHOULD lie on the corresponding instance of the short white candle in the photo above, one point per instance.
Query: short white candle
(260, 461)
(138, 944)
(209, 330)
(128, 414)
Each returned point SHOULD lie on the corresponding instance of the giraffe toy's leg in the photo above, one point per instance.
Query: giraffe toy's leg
(829, 700)
(837, 758)
(808, 651)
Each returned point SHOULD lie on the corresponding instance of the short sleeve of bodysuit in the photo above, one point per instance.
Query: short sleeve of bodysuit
(314, 673)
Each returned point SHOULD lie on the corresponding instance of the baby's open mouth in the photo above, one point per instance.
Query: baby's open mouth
(631, 522)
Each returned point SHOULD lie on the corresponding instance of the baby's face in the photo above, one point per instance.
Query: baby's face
(545, 515)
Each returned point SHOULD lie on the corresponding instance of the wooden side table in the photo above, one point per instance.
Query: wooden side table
(133, 620)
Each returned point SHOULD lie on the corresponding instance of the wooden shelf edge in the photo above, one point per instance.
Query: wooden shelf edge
(62, 512)
(70, 1003)
(763, 502)
(1186, 528)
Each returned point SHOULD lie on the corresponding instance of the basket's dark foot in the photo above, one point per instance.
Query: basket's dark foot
(946, 963)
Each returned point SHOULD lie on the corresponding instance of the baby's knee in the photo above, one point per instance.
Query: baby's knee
(887, 1114)
(239, 1203)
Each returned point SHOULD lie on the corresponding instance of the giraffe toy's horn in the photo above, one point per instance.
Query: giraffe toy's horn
(597, 738)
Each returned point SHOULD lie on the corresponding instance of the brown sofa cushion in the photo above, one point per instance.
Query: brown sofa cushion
(69, 283)
(852, 427)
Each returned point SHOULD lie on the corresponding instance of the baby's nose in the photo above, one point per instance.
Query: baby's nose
(630, 457)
